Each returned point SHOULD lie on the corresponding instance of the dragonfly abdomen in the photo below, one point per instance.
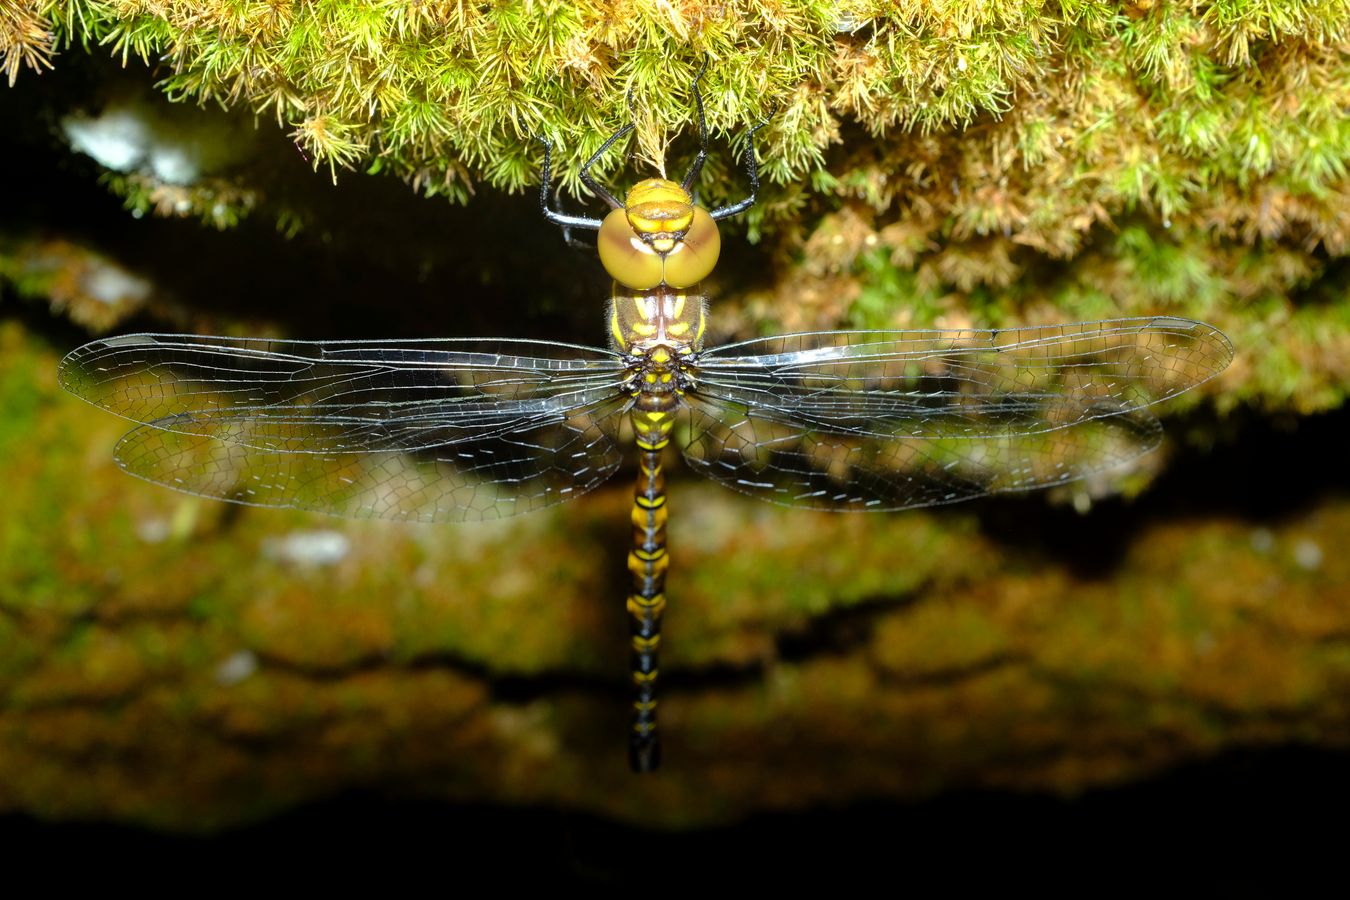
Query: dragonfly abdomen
(653, 415)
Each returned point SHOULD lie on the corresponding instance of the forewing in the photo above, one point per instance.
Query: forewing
(417, 430)
(892, 420)
(965, 383)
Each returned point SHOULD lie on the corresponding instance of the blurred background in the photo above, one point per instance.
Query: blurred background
(1110, 666)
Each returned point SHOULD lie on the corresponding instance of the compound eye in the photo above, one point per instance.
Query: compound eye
(627, 258)
(692, 259)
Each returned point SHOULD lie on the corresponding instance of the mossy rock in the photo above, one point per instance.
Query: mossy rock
(219, 666)
(925, 165)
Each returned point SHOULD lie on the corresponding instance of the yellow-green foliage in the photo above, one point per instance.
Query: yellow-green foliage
(1000, 160)
(1082, 108)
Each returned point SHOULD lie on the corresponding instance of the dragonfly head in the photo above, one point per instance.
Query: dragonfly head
(659, 237)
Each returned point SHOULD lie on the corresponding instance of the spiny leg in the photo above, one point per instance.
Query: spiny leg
(557, 216)
(589, 180)
(567, 221)
(697, 165)
(752, 173)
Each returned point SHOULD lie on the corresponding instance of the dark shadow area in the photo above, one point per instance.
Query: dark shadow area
(375, 259)
(1225, 821)
(1235, 479)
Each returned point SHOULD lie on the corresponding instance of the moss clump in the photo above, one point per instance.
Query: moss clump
(1012, 118)
(948, 163)
(87, 287)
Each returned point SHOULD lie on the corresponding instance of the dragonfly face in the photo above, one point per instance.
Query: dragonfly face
(659, 237)
(443, 430)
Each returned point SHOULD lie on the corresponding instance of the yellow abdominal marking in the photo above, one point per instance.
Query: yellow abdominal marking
(655, 567)
(648, 516)
(642, 609)
(640, 605)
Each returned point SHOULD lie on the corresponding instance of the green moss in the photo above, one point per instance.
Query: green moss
(428, 87)
(962, 163)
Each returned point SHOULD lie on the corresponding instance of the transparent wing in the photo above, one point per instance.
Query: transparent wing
(437, 430)
(890, 420)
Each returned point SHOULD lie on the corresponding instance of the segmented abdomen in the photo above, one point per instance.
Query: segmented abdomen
(653, 415)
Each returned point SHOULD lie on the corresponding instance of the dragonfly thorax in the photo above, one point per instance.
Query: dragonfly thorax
(659, 237)
(660, 370)
(640, 321)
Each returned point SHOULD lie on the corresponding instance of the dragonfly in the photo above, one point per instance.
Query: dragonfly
(466, 430)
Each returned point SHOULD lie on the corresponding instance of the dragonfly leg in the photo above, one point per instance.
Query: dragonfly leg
(697, 165)
(557, 216)
(589, 180)
(752, 172)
